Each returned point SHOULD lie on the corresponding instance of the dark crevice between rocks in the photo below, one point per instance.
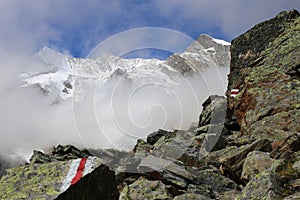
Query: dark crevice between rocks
(295, 72)
(269, 113)
(231, 122)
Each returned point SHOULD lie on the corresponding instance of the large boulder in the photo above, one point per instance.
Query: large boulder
(167, 171)
(255, 163)
(145, 189)
(179, 147)
(85, 178)
(211, 124)
(233, 164)
(218, 183)
(265, 186)
(216, 158)
(214, 110)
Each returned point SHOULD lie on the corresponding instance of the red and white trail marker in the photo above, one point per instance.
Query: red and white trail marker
(234, 92)
(77, 169)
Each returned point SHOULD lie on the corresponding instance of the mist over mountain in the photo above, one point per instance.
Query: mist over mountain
(108, 101)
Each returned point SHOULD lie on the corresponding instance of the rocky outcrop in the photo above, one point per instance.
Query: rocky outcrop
(265, 64)
(265, 71)
(59, 153)
(73, 179)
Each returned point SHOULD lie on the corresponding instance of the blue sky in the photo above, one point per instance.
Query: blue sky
(75, 27)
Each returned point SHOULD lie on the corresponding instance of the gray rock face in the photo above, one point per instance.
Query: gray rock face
(204, 52)
(246, 49)
(233, 163)
(262, 59)
(167, 171)
(255, 163)
(218, 183)
(214, 111)
(220, 52)
(180, 64)
(175, 147)
(145, 189)
(264, 186)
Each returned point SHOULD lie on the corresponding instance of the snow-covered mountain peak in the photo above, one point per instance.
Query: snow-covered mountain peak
(64, 70)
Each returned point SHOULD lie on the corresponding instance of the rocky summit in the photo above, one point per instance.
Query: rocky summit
(245, 146)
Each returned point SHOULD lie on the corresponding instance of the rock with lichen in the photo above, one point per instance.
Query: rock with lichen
(265, 186)
(55, 180)
(265, 64)
(255, 163)
(145, 189)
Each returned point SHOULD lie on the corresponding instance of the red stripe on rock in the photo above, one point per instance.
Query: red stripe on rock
(79, 172)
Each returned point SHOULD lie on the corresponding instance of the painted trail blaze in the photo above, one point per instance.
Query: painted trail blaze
(234, 92)
(79, 172)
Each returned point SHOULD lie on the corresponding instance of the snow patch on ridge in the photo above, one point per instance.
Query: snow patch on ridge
(223, 42)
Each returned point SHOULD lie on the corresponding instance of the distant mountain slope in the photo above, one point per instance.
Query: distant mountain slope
(64, 70)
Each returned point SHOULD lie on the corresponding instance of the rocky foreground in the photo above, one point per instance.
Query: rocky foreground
(245, 146)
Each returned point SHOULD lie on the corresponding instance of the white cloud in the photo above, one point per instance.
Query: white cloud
(232, 17)
(29, 25)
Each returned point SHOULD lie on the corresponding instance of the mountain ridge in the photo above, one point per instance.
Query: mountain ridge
(205, 51)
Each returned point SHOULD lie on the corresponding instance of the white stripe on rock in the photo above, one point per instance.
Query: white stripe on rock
(90, 165)
(71, 173)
